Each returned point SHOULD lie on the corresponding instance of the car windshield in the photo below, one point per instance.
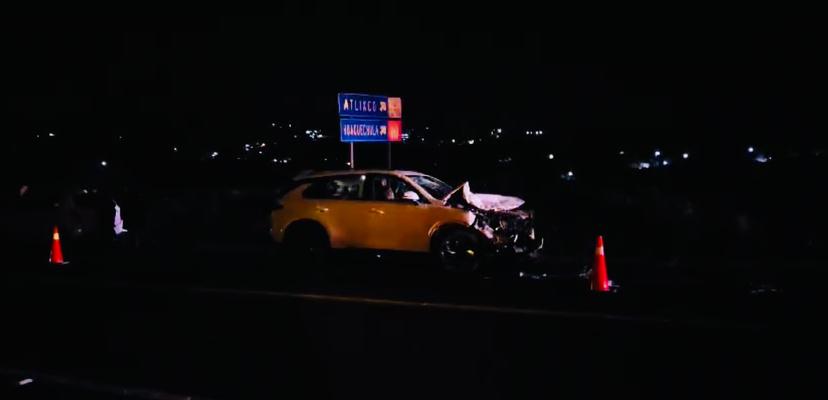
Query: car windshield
(435, 187)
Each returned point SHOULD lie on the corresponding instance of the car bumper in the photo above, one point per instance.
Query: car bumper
(520, 247)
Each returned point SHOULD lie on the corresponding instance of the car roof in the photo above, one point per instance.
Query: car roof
(322, 174)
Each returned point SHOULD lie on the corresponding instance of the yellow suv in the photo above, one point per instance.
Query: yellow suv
(402, 211)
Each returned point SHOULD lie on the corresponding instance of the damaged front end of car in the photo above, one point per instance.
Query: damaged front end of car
(509, 230)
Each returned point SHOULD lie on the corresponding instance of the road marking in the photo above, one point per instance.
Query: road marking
(430, 305)
(331, 298)
(92, 387)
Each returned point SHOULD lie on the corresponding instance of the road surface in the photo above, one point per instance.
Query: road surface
(229, 327)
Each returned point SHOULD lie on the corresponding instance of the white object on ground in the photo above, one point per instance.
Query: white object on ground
(118, 225)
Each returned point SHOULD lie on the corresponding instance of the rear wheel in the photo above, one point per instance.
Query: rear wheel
(458, 251)
(307, 243)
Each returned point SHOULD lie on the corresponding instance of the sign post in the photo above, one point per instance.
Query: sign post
(369, 118)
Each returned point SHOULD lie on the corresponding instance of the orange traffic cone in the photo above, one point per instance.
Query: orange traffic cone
(56, 256)
(599, 280)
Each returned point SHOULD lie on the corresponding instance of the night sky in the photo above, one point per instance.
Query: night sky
(209, 77)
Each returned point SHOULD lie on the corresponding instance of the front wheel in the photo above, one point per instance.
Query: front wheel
(458, 251)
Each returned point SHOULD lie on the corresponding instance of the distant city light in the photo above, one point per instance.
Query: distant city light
(551, 156)
(290, 125)
(175, 148)
(685, 156)
(499, 130)
(664, 162)
(214, 154)
(273, 124)
(51, 134)
(570, 174)
(452, 140)
(621, 152)
(103, 163)
(750, 149)
(470, 141)
(657, 153)
(275, 160)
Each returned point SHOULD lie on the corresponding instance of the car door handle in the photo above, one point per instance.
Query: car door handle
(322, 209)
(377, 211)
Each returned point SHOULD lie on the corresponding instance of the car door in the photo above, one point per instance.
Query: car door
(394, 222)
(338, 204)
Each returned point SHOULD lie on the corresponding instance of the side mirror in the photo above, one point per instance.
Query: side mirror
(411, 196)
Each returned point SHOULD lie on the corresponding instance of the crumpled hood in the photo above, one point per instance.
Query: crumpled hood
(483, 201)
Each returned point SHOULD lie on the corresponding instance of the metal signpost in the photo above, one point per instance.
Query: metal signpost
(369, 118)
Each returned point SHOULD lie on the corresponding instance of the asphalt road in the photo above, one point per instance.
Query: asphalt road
(228, 325)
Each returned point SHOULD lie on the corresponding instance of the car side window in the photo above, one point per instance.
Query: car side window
(348, 187)
(388, 188)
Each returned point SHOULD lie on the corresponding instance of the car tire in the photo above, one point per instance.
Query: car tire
(306, 243)
(458, 251)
